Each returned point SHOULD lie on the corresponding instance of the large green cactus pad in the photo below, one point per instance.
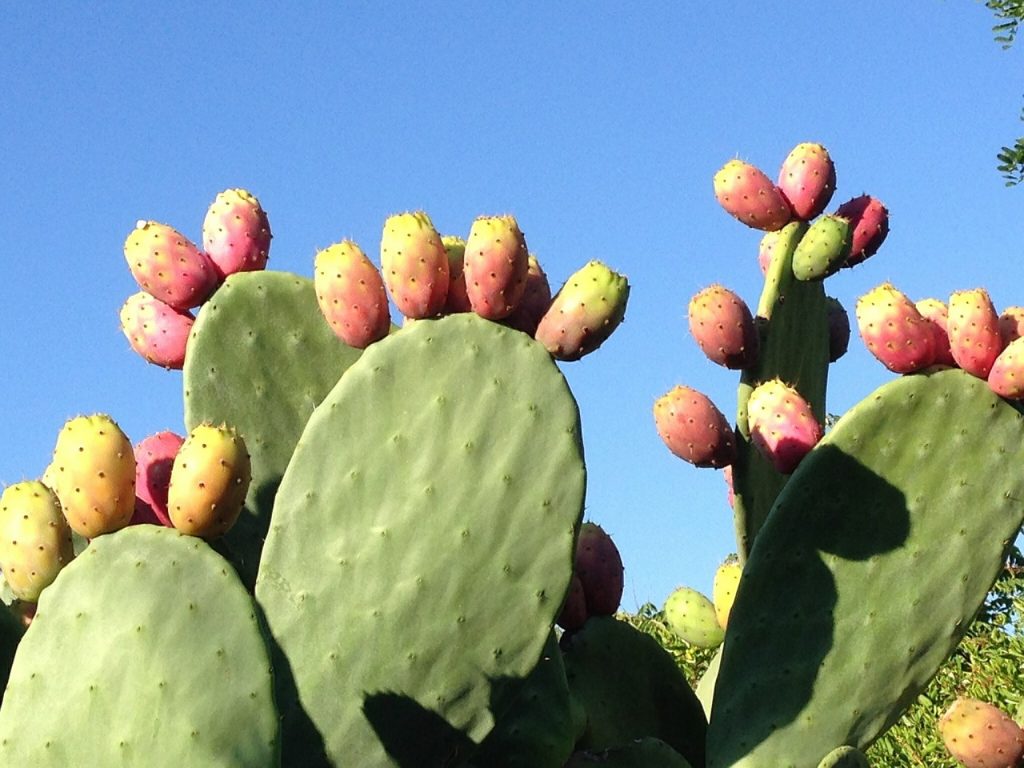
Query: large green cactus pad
(631, 688)
(422, 542)
(646, 752)
(146, 650)
(260, 358)
(868, 570)
(794, 348)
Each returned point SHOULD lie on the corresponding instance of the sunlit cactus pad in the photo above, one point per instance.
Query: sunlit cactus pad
(422, 539)
(146, 650)
(873, 561)
(260, 358)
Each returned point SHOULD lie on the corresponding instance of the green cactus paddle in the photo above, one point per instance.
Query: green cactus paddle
(146, 650)
(874, 559)
(422, 543)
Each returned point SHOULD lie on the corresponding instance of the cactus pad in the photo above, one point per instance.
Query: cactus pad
(126, 651)
(429, 513)
(872, 563)
(260, 358)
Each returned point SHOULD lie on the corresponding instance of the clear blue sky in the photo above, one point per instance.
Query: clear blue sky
(599, 128)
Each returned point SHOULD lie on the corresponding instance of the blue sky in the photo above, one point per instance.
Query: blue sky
(597, 127)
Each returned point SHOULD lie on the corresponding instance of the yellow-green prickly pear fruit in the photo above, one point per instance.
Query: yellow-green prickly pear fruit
(93, 475)
(35, 540)
(209, 480)
(691, 615)
(723, 589)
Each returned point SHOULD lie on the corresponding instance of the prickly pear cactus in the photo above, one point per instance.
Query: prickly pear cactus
(146, 650)
(261, 357)
(867, 571)
(422, 543)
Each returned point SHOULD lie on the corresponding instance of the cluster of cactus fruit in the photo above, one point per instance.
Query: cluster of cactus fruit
(369, 548)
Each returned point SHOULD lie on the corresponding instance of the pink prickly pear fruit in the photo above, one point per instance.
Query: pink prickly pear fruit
(599, 568)
(894, 330)
(723, 589)
(350, 293)
(973, 328)
(1011, 324)
(980, 735)
(807, 180)
(210, 477)
(156, 331)
(838, 328)
(694, 429)
(747, 194)
(869, 225)
(574, 610)
(35, 540)
(154, 458)
(535, 302)
(457, 299)
(496, 265)
(782, 425)
(766, 250)
(236, 233)
(415, 265)
(1006, 378)
(93, 475)
(168, 266)
(585, 312)
(723, 327)
(935, 312)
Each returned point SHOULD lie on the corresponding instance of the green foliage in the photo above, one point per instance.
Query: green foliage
(1010, 14)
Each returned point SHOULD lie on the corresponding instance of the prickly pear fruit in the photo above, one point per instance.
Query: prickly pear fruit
(765, 250)
(730, 489)
(93, 475)
(156, 330)
(168, 266)
(838, 328)
(973, 327)
(807, 180)
(823, 249)
(694, 429)
(209, 480)
(782, 425)
(35, 540)
(584, 313)
(496, 263)
(457, 299)
(747, 194)
(980, 735)
(869, 223)
(154, 457)
(723, 589)
(535, 302)
(691, 615)
(894, 330)
(599, 568)
(350, 292)
(415, 265)
(236, 233)
(1006, 378)
(1011, 324)
(936, 312)
(574, 611)
(723, 327)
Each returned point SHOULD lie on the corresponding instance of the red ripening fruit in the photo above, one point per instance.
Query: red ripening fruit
(807, 180)
(723, 327)
(894, 330)
(694, 429)
(747, 194)
(973, 327)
